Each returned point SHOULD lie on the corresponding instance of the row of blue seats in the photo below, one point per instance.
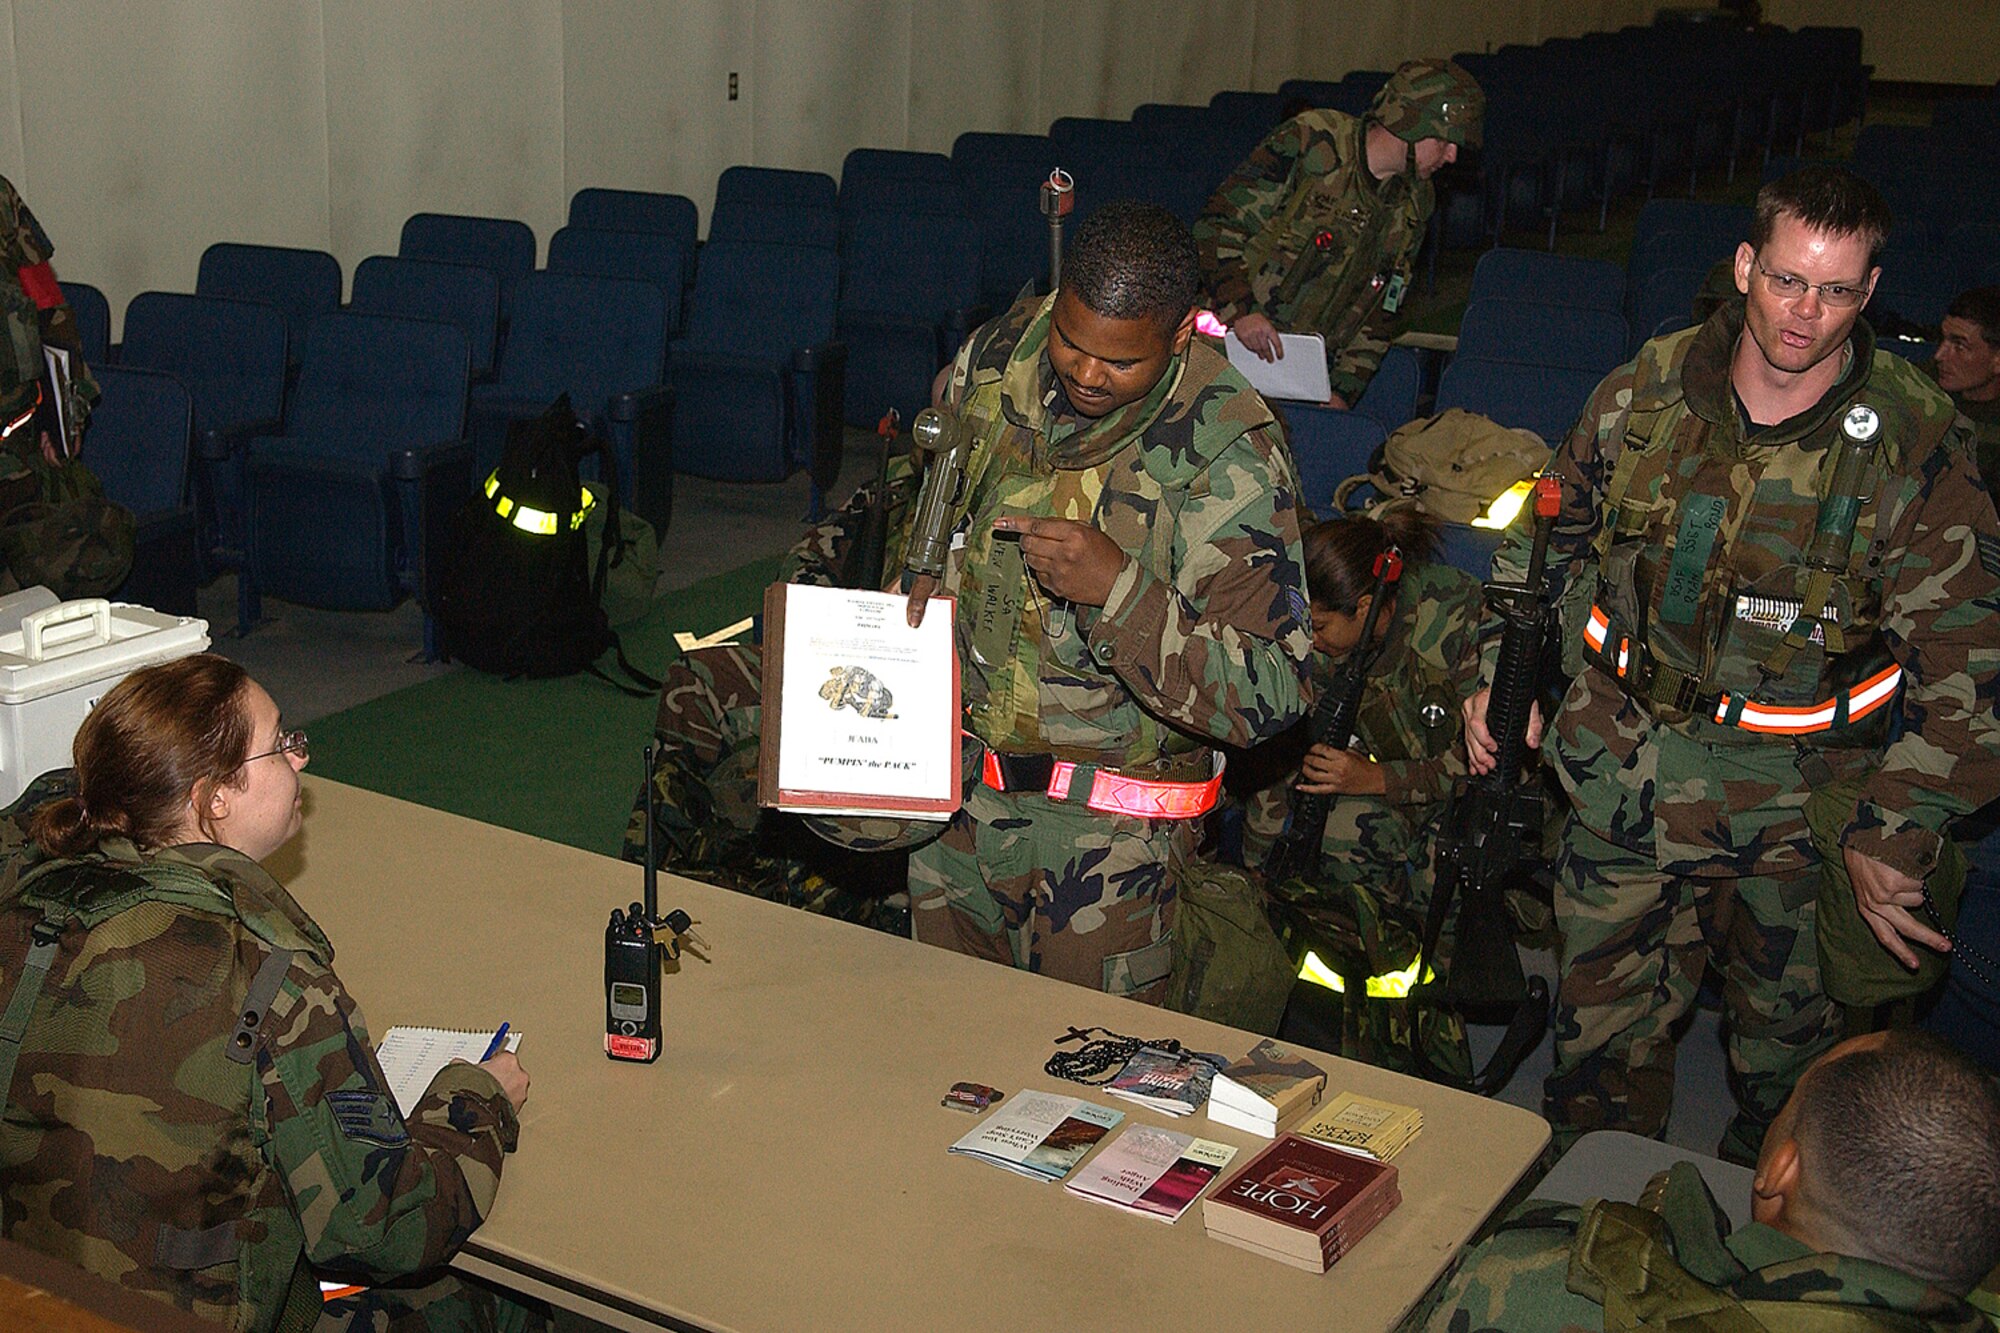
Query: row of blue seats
(1576, 120)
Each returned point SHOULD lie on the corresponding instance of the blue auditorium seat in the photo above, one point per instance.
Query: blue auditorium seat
(757, 377)
(909, 296)
(345, 503)
(305, 284)
(776, 185)
(1530, 275)
(602, 341)
(1573, 337)
(1544, 399)
(639, 256)
(231, 358)
(467, 295)
(93, 321)
(137, 444)
(1328, 446)
(760, 222)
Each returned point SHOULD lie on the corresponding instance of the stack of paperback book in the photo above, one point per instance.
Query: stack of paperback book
(1264, 1089)
(1361, 1124)
(1302, 1203)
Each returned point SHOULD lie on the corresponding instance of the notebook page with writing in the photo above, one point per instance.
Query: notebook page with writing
(411, 1057)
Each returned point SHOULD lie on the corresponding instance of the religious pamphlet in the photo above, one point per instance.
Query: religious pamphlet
(1176, 1083)
(1302, 1203)
(1264, 1089)
(1040, 1135)
(1364, 1125)
(861, 712)
(1155, 1173)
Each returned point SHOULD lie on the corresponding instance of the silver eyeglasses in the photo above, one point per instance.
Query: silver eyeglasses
(1786, 287)
(289, 742)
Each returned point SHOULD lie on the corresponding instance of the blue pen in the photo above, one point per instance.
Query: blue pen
(494, 1049)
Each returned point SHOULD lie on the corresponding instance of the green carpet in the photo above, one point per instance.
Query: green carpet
(559, 759)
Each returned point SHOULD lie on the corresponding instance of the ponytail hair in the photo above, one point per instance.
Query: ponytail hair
(1340, 552)
(161, 735)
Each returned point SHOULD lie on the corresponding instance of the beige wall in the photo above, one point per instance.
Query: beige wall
(1919, 41)
(142, 130)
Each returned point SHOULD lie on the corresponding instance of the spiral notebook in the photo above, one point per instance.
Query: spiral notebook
(411, 1057)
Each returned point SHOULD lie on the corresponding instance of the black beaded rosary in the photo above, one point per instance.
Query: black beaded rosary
(1100, 1058)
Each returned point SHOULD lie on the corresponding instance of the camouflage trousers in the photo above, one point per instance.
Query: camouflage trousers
(431, 1304)
(707, 823)
(1635, 944)
(1054, 888)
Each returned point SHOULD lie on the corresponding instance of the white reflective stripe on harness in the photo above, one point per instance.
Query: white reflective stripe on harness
(24, 418)
(1862, 700)
(1595, 633)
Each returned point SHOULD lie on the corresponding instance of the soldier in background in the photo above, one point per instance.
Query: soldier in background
(1876, 1205)
(56, 528)
(1129, 596)
(193, 1108)
(1318, 231)
(1772, 541)
(1968, 368)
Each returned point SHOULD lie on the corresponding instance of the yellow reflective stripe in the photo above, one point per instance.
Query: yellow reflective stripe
(1389, 986)
(1506, 505)
(538, 521)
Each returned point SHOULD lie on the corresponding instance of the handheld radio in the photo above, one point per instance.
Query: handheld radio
(632, 941)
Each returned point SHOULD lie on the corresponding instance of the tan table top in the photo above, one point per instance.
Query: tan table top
(783, 1164)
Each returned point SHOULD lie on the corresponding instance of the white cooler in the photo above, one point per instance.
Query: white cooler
(60, 662)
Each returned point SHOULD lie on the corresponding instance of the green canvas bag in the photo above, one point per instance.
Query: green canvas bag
(1228, 964)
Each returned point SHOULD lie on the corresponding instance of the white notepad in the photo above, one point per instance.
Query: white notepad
(411, 1057)
(1299, 376)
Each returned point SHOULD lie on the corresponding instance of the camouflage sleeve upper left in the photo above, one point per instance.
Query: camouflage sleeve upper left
(1222, 649)
(1941, 614)
(1236, 212)
(378, 1197)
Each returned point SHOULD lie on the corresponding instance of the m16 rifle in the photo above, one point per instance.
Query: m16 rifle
(1296, 853)
(1492, 825)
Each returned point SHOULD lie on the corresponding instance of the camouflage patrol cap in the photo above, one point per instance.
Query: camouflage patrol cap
(1431, 99)
(875, 833)
(882, 833)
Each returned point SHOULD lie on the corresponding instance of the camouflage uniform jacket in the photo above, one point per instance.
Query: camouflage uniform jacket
(1203, 637)
(27, 327)
(1259, 252)
(163, 1133)
(1985, 421)
(1409, 721)
(1526, 1277)
(1922, 583)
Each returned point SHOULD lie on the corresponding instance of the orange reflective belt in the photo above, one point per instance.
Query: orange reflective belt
(1749, 715)
(1115, 793)
(1862, 700)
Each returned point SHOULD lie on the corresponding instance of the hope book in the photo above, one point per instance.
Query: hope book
(1302, 1201)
